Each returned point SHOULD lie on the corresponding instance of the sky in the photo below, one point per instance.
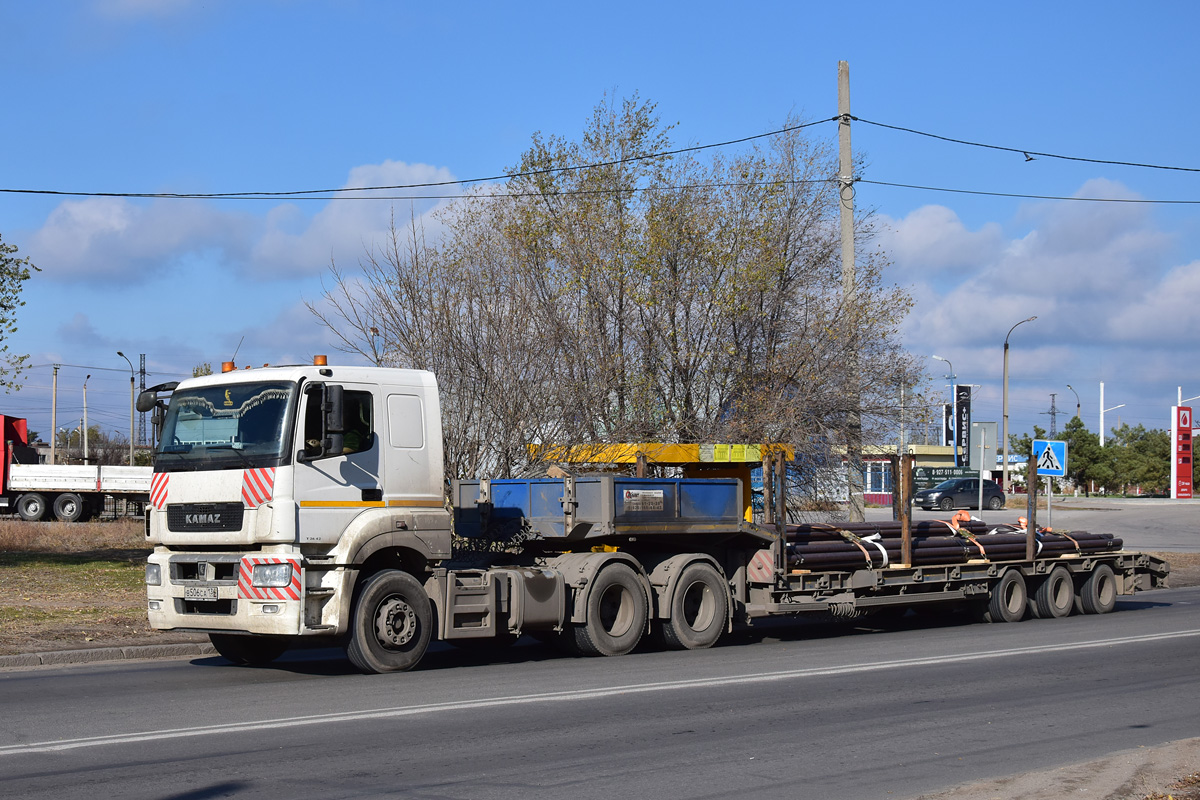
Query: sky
(218, 96)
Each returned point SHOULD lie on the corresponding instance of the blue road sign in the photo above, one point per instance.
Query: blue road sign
(1050, 455)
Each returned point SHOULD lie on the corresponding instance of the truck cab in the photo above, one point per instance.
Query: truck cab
(273, 487)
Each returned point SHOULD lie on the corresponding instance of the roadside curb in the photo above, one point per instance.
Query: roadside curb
(99, 654)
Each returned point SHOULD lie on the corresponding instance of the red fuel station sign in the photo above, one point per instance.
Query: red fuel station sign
(1181, 463)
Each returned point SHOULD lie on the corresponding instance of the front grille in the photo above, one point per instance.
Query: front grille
(225, 608)
(205, 517)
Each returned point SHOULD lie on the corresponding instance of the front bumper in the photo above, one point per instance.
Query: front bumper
(215, 592)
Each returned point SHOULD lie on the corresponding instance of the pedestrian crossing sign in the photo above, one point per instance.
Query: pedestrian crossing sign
(1050, 456)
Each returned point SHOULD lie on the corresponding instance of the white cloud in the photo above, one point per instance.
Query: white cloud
(345, 229)
(1110, 303)
(932, 241)
(104, 239)
(108, 240)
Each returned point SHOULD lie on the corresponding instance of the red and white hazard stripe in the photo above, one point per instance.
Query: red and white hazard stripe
(761, 568)
(258, 486)
(158, 489)
(247, 591)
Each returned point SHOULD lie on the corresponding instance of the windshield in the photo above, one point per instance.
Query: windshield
(947, 485)
(222, 427)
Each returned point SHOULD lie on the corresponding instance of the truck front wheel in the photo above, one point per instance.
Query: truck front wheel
(616, 613)
(391, 623)
(31, 507)
(699, 609)
(253, 651)
(69, 507)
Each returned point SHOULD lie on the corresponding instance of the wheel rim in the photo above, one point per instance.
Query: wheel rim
(616, 611)
(1061, 591)
(699, 606)
(1106, 590)
(395, 622)
(1012, 596)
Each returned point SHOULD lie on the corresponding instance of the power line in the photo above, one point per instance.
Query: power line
(1029, 196)
(1024, 151)
(298, 193)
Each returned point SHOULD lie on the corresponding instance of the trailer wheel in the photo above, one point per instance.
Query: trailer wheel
(69, 507)
(391, 623)
(699, 609)
(31, 507)
(1054, 596)
(253, 651)
(1007, 602)
(1098, 592)
(616, 613)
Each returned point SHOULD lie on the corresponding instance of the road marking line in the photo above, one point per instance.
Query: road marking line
(572, 695)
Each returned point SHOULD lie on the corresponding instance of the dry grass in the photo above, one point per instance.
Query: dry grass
(1186, 788)
(65, 586)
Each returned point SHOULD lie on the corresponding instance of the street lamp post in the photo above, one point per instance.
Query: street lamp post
(953, 401)
(1078, 408)
(130, 363)
(1104, 411)
(1004, 411)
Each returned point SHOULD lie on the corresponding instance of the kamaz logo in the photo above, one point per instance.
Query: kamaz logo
(202, 519)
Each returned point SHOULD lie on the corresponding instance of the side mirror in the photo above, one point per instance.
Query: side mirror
(333, 406)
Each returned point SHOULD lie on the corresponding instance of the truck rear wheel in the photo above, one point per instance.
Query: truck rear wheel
(1008, 599)
(616, 613)
(69, 507)
(253, 651)
(390, 624)
(31, 507)
(1098, 592)
(1055, 596)
(699, 609)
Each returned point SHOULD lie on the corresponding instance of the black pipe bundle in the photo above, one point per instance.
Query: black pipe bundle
(878, 544)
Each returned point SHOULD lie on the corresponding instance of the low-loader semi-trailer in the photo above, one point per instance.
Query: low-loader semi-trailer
(308, 503)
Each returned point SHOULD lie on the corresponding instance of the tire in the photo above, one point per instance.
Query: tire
(252, 651)
(1055, 596)
(996, 503)
(390, 624)
(616, 613)
(945, 504)
(31, 507)
(1008, 599)
(1098, 592)
(699, 609)
(69, 507)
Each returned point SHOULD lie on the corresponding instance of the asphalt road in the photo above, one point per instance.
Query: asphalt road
(814, 711)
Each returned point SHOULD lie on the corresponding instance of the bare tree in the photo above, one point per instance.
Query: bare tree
(615, 291)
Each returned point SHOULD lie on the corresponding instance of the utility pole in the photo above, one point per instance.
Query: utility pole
(1053, 412)
(141, 440)
(54, 418)
(854, 474)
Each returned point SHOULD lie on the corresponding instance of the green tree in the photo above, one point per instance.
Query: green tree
(1143, 458)
(200, 370)
(1088, 464)
(13, 274)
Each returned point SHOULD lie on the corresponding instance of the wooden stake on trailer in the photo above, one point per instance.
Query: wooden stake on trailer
(905, 489)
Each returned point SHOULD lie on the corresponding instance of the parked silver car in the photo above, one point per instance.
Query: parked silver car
(960, 493)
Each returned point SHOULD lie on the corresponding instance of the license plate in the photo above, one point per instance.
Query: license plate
(200, 593)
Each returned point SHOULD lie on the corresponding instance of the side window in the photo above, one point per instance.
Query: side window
(357, 423)
(356, 419)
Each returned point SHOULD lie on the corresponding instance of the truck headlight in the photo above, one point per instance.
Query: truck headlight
(271, 575)
(153, 575)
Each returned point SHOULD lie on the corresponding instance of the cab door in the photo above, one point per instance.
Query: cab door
(332, 489)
